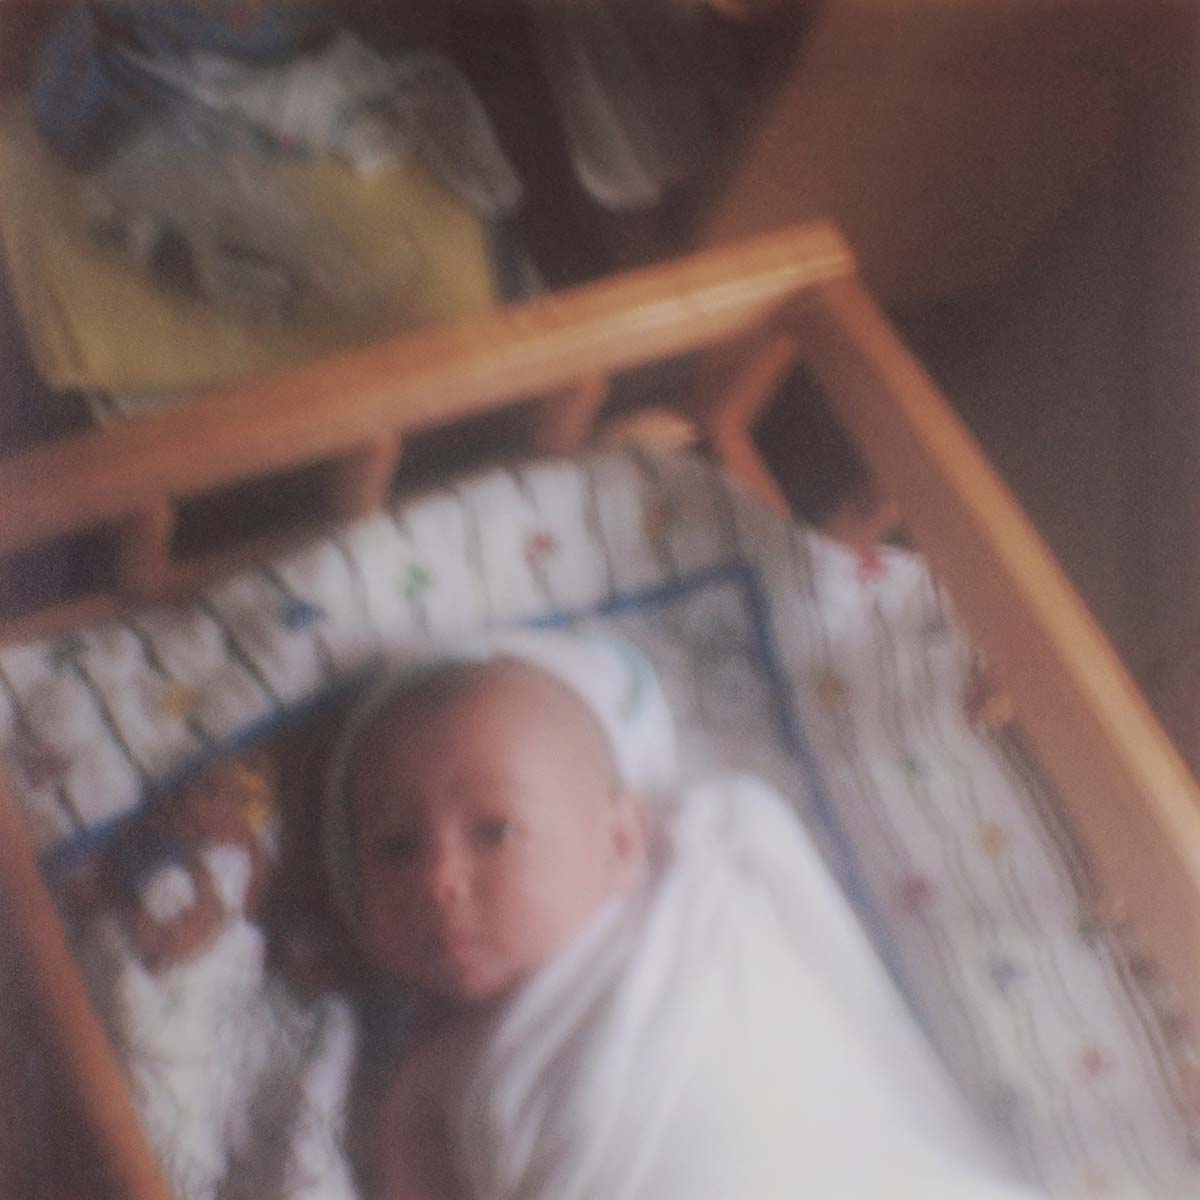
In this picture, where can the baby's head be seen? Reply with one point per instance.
(488, 821)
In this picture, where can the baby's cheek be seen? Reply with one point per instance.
(550, 913)
(388, 919)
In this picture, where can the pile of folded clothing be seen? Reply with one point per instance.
(209, 188)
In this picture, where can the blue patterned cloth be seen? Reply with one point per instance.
(88, 94)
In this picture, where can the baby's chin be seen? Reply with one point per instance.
(468, 981)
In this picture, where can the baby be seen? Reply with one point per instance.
(489, 825)
(623, 997)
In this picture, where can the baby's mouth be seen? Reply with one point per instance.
(457, 962)
(453, 943)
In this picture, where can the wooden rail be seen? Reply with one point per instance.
(353, 410)
(84, 1068)
(1127, 790)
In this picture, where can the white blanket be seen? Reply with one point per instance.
(241, 1085)
(726, 1034)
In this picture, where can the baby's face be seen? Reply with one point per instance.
(488, 827)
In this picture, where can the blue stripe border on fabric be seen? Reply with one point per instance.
(60, 860)
(793, 730)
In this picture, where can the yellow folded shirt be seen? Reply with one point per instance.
(96, 321)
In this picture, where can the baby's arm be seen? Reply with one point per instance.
(411, 1150)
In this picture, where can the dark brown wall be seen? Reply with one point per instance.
(1020, 179)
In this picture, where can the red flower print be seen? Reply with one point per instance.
(915, 893)
(539, 546)
(1094, 1062)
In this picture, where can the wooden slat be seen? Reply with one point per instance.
(362, 479)
(565, 422)
(73, 1033)
(730, 395)
(738, 454)
(83, 610)
(1125, 787)
(144, 551)
(411, 382)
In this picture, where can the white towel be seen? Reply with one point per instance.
(728, 1033)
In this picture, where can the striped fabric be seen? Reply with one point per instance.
(844, 679)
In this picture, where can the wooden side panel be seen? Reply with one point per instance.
(76, 1047)
(347, 414)
(409, 383)
(1128, 792)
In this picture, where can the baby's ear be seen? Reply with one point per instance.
(629, 830)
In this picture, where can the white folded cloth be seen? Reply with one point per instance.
(726, 1034)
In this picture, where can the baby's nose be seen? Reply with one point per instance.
(448, 875)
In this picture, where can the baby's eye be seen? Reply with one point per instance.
(400, 846)
(491, 832)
